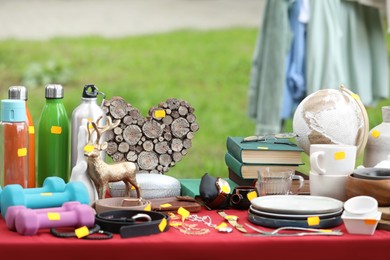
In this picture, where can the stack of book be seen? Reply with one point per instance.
(245, 159)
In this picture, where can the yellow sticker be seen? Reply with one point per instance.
(159, 113)
(54, 216)
(339, 155)
(183, 213)
(46, 194)
(375, 133)
(56, 130)
(370, 221)
(31, 130)
(166, 205)
(262, 147)
(148, 207)
(251, 195)
(22, 152)
(225, 188)
(313, 221)
(326, 230)
(81, 232)
(222, 225)
(88, 148)
(162, 224)
(355, 96)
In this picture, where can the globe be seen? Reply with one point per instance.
(331, 116)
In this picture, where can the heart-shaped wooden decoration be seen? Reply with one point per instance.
(155, 143)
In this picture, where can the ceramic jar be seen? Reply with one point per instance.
(378, 143)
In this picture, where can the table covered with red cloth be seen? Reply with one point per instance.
(173, 244)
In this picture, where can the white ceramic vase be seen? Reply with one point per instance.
(378, 143)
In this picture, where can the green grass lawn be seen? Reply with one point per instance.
(210, 70)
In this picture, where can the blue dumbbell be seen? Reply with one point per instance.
(50, 184)
(13, 195)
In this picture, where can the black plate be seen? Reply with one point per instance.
(276, 223)
(372, 173)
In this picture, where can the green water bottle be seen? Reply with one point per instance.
(53, 137)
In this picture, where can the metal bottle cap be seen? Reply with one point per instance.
(54, 91)
(92, 93)
(13, 110)
(18, 92)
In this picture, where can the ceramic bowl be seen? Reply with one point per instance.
(378, 189)
(372, 173)
(120, 203)
(361, 225)
(361, 206)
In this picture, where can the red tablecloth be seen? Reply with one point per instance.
(175, 245)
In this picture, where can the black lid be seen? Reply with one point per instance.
(92, 93)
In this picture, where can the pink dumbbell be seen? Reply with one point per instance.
(28, 221)
(14, 210)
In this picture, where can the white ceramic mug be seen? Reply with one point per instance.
(277, 182)
(333, 186)
(332, 159)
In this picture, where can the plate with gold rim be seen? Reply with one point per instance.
(297, 204)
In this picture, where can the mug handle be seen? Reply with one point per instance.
(314, 166)
(301, 183)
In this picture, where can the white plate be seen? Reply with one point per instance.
(294, 216)
(297, 204)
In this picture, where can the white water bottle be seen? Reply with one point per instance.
(88, 110)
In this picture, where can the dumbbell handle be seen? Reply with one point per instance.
(13, 211)
(50, 199)
(29, 222)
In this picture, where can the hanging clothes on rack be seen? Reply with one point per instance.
(295, 83)
(268, 67)
(346, 45)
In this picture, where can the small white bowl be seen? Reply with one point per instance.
(360, 225)
(361, 205)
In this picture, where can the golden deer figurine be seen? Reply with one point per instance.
(102, 173)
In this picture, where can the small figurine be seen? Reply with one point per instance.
(102, 173)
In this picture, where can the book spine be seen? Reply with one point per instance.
(233, 164)
(239, 180)
(234, 149)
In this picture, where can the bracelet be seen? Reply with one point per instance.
(93, 234)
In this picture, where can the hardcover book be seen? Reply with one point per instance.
(277, 151)
(249, 171)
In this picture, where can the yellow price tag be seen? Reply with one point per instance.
(56, 130)
(313, 221)
(159, 113)
(53, 216)
(162, 225)
(355, 96)
(251, 195)
(88, 148)
(225, 188)
(183, 213)
(22, 152)
(339, 155)
(375, 133)
(148, 207)
(31, 130)
(222, 225)
(81, 232)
